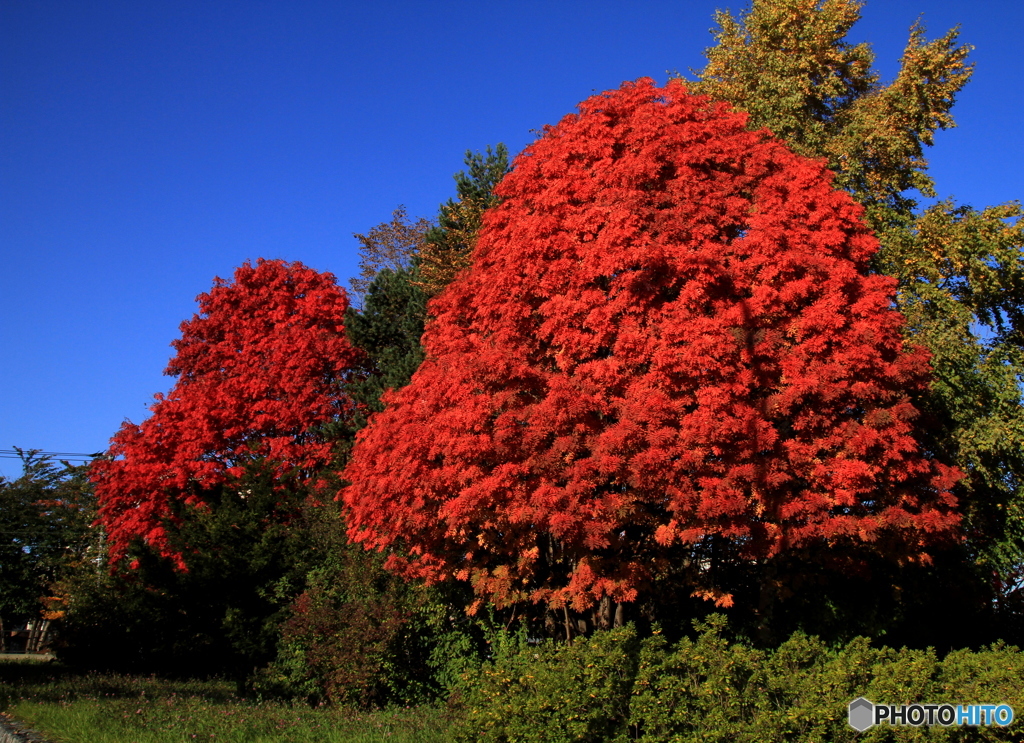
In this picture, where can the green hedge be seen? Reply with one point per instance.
(549, 692)
(613, 687)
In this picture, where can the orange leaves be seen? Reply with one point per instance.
(259, 368)
(668, 333)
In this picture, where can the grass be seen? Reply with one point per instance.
(68, 707)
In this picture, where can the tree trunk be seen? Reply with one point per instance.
(582, 626)
(766, 603)
(604, 613)
(33, 634)
(40, 636)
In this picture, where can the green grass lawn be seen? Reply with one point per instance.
(68, 707)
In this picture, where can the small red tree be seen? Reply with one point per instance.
(668, 333)
(259, 369)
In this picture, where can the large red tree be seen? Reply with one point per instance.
(258, 369)
(668, 334)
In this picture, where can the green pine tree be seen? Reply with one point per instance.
(388, 330)
(405, 262)
(449, 245)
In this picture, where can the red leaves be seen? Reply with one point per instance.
(668, 332)
(258, 369)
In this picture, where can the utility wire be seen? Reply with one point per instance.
(31, 454)
(83, 457)
(63, 459)
(41, 453)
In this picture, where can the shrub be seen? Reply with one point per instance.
(359, 635)
(549, 692)
(612, 687)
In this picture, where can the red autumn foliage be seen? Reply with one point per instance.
(258, 369)
(668, 332)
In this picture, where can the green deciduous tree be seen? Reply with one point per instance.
(45, 518)
(788, 65)
(961, 273)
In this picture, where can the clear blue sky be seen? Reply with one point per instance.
(146, 147)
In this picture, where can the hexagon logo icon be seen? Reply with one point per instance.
(861, 714)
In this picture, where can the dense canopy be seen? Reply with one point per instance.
(668, 333)
(259, 369)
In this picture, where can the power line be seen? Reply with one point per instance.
(81, 456)
(34, 456)
(39, 452)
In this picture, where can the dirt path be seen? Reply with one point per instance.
(11, 731)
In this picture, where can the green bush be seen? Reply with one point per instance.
(548, 692)
(708, 690)
(696, 689)
(611, 687)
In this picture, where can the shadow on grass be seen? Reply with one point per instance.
(50, 681)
